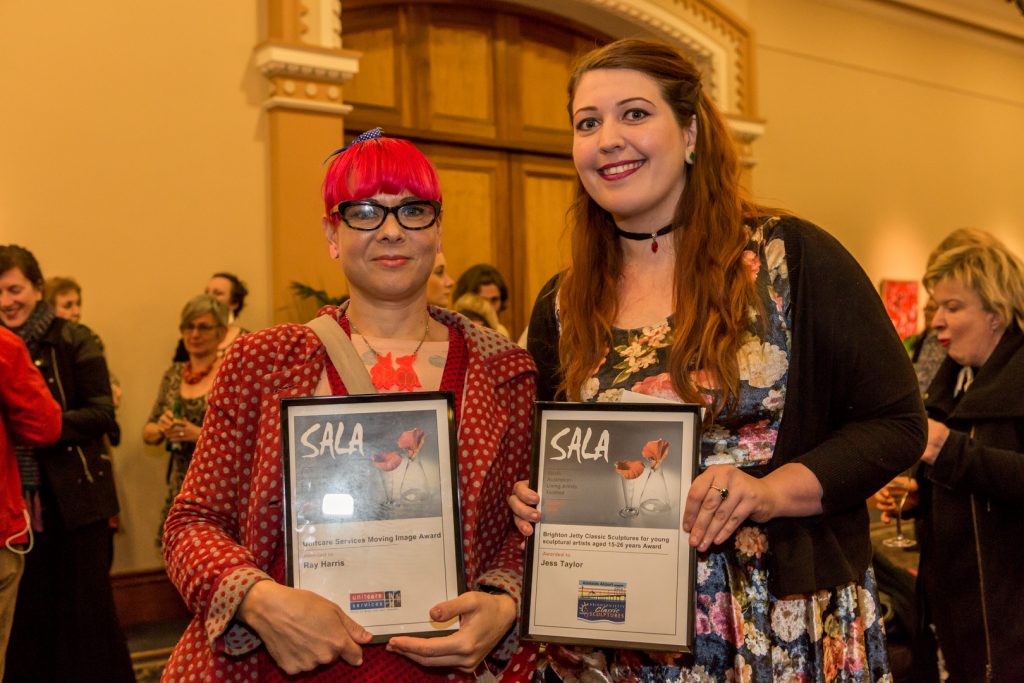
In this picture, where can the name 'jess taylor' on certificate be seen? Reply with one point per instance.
(608, 561)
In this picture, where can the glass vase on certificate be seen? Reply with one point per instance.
(372, 507)
(608, 563)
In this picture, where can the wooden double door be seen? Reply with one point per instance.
(483, 93)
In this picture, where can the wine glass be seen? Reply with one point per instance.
(388, 465)
(630, 471)
(414, 482)
(900, 488)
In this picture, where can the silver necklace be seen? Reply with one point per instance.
(355, 330)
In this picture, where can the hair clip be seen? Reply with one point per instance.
(371, 134)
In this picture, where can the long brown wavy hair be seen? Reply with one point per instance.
(713, 291)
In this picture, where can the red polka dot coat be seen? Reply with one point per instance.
(225, 526)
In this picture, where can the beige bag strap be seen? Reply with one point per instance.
(344, 356)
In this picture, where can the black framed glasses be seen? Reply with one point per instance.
(366, 214)
(201, 328)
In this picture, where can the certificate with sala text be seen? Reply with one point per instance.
(608, 564)
(372, 507)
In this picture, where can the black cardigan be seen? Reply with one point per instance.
(853, 411)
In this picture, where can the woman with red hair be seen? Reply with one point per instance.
(682, 288)
(223, 541)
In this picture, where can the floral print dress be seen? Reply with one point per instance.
(743, 632)
(180, 455)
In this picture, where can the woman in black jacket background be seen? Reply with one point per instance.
(971, 480)
(65, 627)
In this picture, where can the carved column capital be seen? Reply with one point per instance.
(306, 77)
(744, 133)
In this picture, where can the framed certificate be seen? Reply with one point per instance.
(609, 564)
(372, 507)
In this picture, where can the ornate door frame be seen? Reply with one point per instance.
(306, 66)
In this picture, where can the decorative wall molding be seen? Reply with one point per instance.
(721, 44)
(745, 130)
(306, 77)
(321, 23)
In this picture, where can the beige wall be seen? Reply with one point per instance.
(133, 155)
(888, 128)
(133, 159)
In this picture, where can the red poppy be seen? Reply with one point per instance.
(629, 469)
(386, 461)
(412, 441)
(654, 452)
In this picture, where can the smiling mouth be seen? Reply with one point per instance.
(619, 170)
(391, 259)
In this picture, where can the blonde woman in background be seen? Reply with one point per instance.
(65, 295)
(477, 309)
(440, 284)
(969, 498)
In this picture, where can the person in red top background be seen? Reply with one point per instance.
(28, 417)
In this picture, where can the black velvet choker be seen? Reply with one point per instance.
(653, 236)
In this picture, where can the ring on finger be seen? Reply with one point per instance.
(723, 492)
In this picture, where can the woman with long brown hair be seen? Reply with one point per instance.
(682, 288)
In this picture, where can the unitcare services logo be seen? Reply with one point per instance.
(376, 600)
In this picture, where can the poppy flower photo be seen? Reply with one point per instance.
(412, 441)
(386, 462)
(629, 469)
(654, 452)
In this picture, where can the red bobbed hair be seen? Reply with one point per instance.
(376, 166)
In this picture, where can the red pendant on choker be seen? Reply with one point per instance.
(653, 236)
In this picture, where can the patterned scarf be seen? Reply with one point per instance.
(35, 327)
(31, 333)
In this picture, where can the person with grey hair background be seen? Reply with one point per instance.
(180, 406)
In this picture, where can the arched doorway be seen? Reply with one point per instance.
(483, 94)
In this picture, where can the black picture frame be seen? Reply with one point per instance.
(372, 507)
(607, 566)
